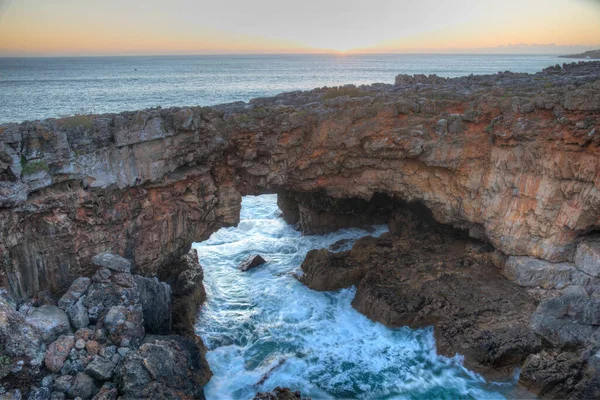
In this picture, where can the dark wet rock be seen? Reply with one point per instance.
(76, 290)
(112, 262)
(278, 393)
(168, 367)
(340, 244)
(155, 298)
(552, 376)
(324, 270)
(251, 262)
(58, 352)
(83, 386)
(51, 321)
(185, 277)
(408, 282)
(124, 325)
(100, 369)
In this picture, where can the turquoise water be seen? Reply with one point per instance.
(264, 329)
(38, 88)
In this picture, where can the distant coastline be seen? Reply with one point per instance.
(589, 55)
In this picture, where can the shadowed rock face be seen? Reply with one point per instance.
(512, 158)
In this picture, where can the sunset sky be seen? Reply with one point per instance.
(115, 27)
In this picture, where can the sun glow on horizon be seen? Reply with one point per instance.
(114, 27)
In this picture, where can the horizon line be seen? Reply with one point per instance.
(332, 53)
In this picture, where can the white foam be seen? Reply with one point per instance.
(265, 326)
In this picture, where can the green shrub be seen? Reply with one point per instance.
(351, 91)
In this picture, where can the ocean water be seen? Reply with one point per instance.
(38, 88)
(263, 328)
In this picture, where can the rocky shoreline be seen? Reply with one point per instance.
(490, 185)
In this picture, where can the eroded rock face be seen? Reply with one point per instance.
(511, 158)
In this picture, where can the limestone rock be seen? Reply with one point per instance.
(587, 257)
(51, 321)
(112, 262)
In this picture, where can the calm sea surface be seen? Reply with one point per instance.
(37, 88)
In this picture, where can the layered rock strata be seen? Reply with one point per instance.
(512, 159)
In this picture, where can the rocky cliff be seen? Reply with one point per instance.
(511, 159)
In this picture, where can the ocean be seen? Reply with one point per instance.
(38, 88)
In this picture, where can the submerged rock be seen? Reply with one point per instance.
(251, 262)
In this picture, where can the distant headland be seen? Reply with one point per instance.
(592, 55)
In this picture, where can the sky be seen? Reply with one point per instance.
(138, 27)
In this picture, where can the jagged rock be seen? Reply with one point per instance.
(155, 298)
(83, 386)
(63, 383)
(251, 262)
(587, 257)
(123, 279)
(430, 279)
(102, 275)
(167, 367)
(185, 278)
(324, 271)
(100, 369)
(112, 262)
(531, 272)
(100, 297)
(58, 352)
(78, 314)
(278, 393)
(568, 321)
(107, 392)
(76, 290)
(51, 321)
(124, 324)
(552, 376)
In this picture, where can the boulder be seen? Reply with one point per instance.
(58, 352)
(165, 367)
(100, 297)
(155, 298)
(83, 386)
(587, 257)
(112, 262)
(76, 290)
(551, 375)
(78, 314)
(251, 262)
(324, 270)
(51, 321)
(124, 325)
(100, 369)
